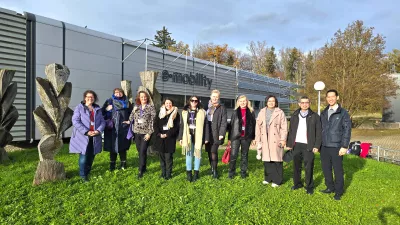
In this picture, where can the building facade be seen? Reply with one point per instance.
(99, 61)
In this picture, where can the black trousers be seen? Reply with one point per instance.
(330, 158)
(244, 145)
(141, 146)
(273, 172)
(212, 150)
(302, 154)
(122, 156)
(166, 162)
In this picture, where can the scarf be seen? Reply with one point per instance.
(303, 114)
(211, 109)
(164, 112)
(119, 103)
(186, 141)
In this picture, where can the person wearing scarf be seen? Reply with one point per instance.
(166, 130)
(304, 139)
(215, 130)
(191, 135)
(271, 133)
(117, 110)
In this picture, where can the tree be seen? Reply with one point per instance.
(393, 61)
(163, 38)
(181, 47)
(352, 63)
(222, 54)
(263, 57)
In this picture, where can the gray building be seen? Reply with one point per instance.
(392, 114)
(99, 61)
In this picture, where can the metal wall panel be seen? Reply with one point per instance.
(13, 56)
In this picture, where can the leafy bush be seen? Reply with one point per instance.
(372, 195)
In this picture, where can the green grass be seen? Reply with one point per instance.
(371, 197)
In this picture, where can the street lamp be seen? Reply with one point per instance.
(319, 86)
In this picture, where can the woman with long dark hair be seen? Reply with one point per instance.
(85, 140)
(166, 130)
(191, 135)
(143, 115)
(116, 111)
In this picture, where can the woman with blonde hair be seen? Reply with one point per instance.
(271, 133)
(215, 130)
(241, 134)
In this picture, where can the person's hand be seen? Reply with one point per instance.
(206, 142)
(109, 107)
(342, 151)
(91, 133)
(282, 144)
(253, 142)
(229, 142)
(221, 137)
(146, 137)
(315, 150)
(180, 142)
(289, 148)
(96, 132)
(126, 122)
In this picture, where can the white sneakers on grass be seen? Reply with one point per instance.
(272, 185)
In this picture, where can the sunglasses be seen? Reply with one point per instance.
(194, 100)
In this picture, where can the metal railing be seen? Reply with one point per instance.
(385, 154)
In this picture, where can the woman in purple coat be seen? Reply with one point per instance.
(88, 124)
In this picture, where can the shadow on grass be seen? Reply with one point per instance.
(352, 164)
(388, 210)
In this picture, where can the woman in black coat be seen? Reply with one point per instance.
(241, 134)
(116, 111)
(215, 130)
(166, 130)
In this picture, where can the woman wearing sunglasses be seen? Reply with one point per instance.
(191, 135)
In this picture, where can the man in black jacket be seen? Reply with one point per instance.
(336, 133)
(305, 139)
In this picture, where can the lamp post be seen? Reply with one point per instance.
(319, 86)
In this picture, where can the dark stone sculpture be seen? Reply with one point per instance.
(8, 112)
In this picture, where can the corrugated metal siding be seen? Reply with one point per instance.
(13, 56)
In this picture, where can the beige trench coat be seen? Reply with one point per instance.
(269, 144)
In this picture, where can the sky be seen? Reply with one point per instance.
(305, 24)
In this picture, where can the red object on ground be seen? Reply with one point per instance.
(365, 149)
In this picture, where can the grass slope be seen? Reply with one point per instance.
(372, 195)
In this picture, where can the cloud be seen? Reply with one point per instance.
(312, 40)
(217, 30)
(268, 18)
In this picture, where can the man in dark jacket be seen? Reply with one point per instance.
(336, 133)
(305, 139)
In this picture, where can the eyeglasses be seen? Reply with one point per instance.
(194, 100)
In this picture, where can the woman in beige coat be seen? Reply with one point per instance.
(271, 133)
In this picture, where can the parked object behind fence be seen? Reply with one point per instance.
(8, 112)
(53, 117)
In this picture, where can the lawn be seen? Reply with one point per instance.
(371, 197)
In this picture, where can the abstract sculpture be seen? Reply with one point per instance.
(8, 112)
(53, 118)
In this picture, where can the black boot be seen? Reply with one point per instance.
(196, 175)
(123, 165)
(189, 175)
(112, 166)
(215, 173)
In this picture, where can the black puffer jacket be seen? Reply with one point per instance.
(217, 127)
(313, 130)
(337, 131)
(236, 125)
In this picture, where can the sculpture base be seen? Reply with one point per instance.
(3, 155)
(49, 170)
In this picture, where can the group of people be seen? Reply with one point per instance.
(194, 127)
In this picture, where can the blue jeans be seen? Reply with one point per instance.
(189, 160)
(86, 161)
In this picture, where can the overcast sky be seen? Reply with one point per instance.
(305, 24)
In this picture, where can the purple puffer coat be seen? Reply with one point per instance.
(81, 123)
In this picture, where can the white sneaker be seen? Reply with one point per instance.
(274, 185)
(265, 182)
